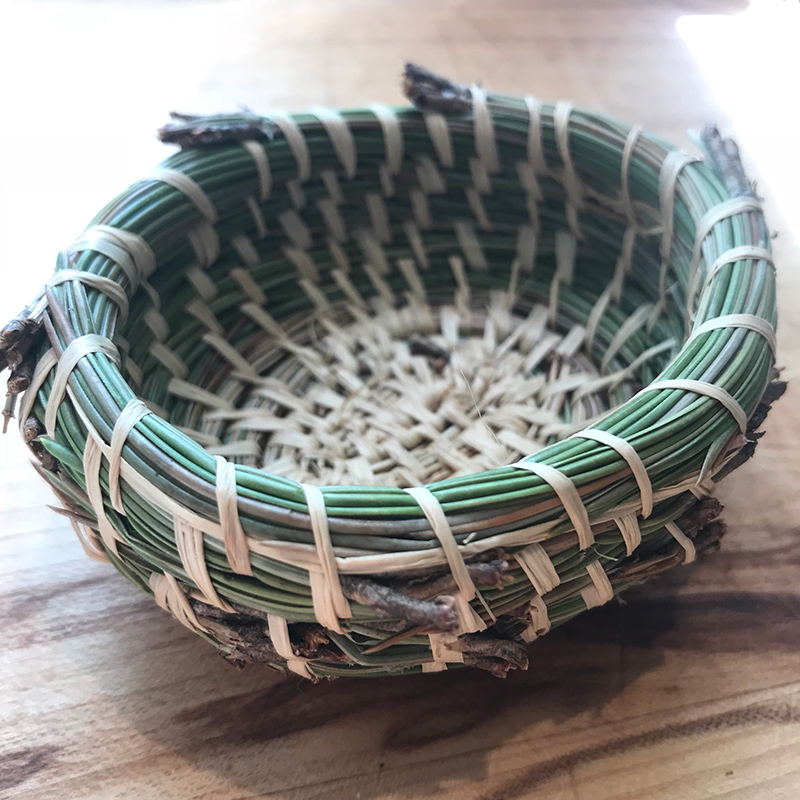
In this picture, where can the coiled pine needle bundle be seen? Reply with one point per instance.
(401, 389)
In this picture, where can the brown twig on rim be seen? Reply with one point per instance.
(192, 130)
(701, 524)
(21, 376)
(311, 639)
(16, 339)
(17, 332)
(429, 91)
(31, 429)
(390, 603)
(483, 573)
(498, 656)
(774, 391)
(726, 161)
(243, 638)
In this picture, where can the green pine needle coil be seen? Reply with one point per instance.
(401, 389)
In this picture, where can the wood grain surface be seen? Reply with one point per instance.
(689, 689)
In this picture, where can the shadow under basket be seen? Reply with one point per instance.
(400, 389)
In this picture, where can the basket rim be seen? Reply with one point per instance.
(681, 187)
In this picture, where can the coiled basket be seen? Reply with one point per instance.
(401, 389)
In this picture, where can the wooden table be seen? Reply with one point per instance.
(689, 689)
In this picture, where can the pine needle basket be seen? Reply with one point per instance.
(401, 389)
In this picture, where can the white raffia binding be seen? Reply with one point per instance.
(625, 190)
(568, 495)
(470, 245)
(191, 551)
(190, 189)
(595, 315)
(295, 229)
(73, 353)
(468, 619)
(536, 564)
(600, 591)
(205, 243)
(628, 453)
(566, 252)
(109, 288)
(297, 143)
(480, 176)
(169, 359)
(439, 133)
(485, 144)
(92, 457)
(722, 211)
(133, 413)
(477, 208)
(624, 263)
(442, 653)
(747, 321)
(259, 155)
(132, 254)
(233, 535)
(334, 220)
(171, 597)
(279, 636)
(258, 217)
(535, 146)
(671, 168)
(708, 390)
(378, 217)
(743, 253)
(572, 183)
(330, 604)
(202, 283)
(341, 137)
(637, 320)
(526, 247)
(628, 525)
(296, 192)
(540, 621)
(429, 178)
(44, 366)
(684, 541)
(392, 136)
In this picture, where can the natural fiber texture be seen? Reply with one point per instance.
(555, 323)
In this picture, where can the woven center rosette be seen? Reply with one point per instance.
(401, 389)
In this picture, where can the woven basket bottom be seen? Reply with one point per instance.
(411, 395)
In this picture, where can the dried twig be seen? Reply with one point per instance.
(773, 392)
(429, 91)
(189, 130)
(483, 574)
(387, 602)
(726, 160)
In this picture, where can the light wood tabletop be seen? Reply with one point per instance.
(688, 689)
